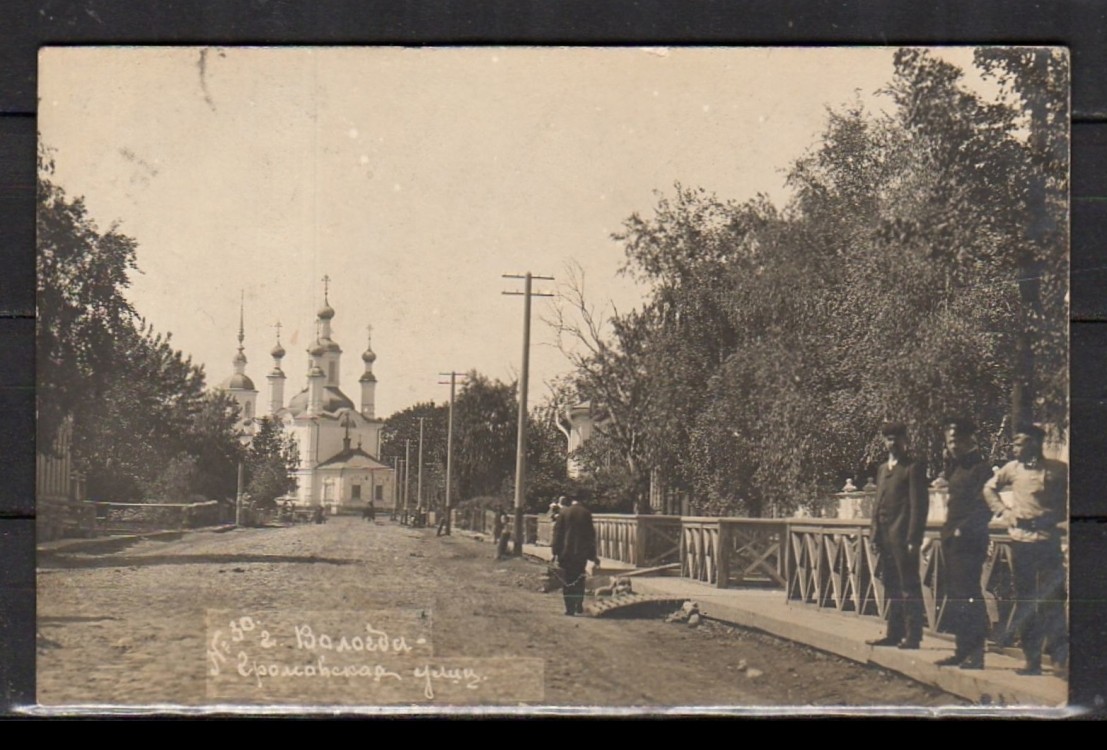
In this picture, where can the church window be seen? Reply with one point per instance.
(334, 372)
(355, 492)
(249, 410)
(379, 492)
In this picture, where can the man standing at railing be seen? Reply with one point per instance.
(899, 521)
(965, 545)
(1038, 487)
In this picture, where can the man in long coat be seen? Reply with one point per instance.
(574, 545)
(899, 522)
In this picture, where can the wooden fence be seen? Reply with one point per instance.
(830, 564)
(726, 551)
(85, 519)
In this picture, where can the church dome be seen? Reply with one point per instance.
(326, 312)
(278, 351)
(238, 382)
(369, 356)
(317, 350)
(333, 400)
(330, 345)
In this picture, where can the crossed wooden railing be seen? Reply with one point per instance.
(642, 541)
(830, 564)
(726, 551)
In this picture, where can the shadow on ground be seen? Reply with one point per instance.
(47, 562)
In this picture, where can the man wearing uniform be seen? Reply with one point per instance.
(1038, 490)
(965, 545)
(899, 521)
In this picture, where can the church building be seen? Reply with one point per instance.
(338, 442)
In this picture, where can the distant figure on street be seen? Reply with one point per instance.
(1038, 487)
(370, 512)
(443, 523)
(965, 544)
(320, 514)
(574, 545)
(501, 531)
(899, 522)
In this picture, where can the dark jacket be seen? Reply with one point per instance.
(574, 536)
(967, 513)
(902, 504)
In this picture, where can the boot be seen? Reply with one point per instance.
(974, 660)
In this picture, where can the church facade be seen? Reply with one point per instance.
(338, 442)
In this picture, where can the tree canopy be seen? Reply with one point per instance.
(918, 269)
(144, 424)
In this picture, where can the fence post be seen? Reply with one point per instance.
(722, 556)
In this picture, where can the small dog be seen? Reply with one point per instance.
(617, 587)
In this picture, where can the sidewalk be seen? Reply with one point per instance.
(845, 635)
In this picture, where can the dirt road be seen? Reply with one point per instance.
(128, 627)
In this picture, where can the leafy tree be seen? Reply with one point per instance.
(485, 422)
(918, 269)
(144, 425)
(82, 275)
(403, 426)
(271, 463)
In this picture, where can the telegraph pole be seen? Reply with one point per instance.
(407, 474)
(521, 442)
(419, 473)
(395, 486)
(450, 446)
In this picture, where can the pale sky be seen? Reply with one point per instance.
(414, 179)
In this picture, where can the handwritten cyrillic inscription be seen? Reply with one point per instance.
(352, 658)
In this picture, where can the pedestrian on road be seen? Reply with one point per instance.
(443, 523)
(574, 545)
(501, 532)
(965, 544)
(899, 522)
(1038, 488)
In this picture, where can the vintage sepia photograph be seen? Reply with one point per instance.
(522, 380)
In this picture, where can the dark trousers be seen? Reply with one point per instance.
(1039, 616)
(902, 591)
(964, 610)
(501, 544)
(572, 573)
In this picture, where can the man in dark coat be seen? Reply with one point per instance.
(965, 545)
(574, 545)
(899, 521)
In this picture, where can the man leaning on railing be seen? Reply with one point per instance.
(1038, 488)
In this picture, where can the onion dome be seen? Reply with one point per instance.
(333, 400)
(326, 312)
(318, 350)
(278, 351)
(369, 356)
(238, 382)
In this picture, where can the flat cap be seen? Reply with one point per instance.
(960, 425)
(890, 429)
(1031, 430)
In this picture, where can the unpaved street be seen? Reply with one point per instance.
(128, 627)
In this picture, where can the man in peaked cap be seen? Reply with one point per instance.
(965, 544)
(899, 521)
